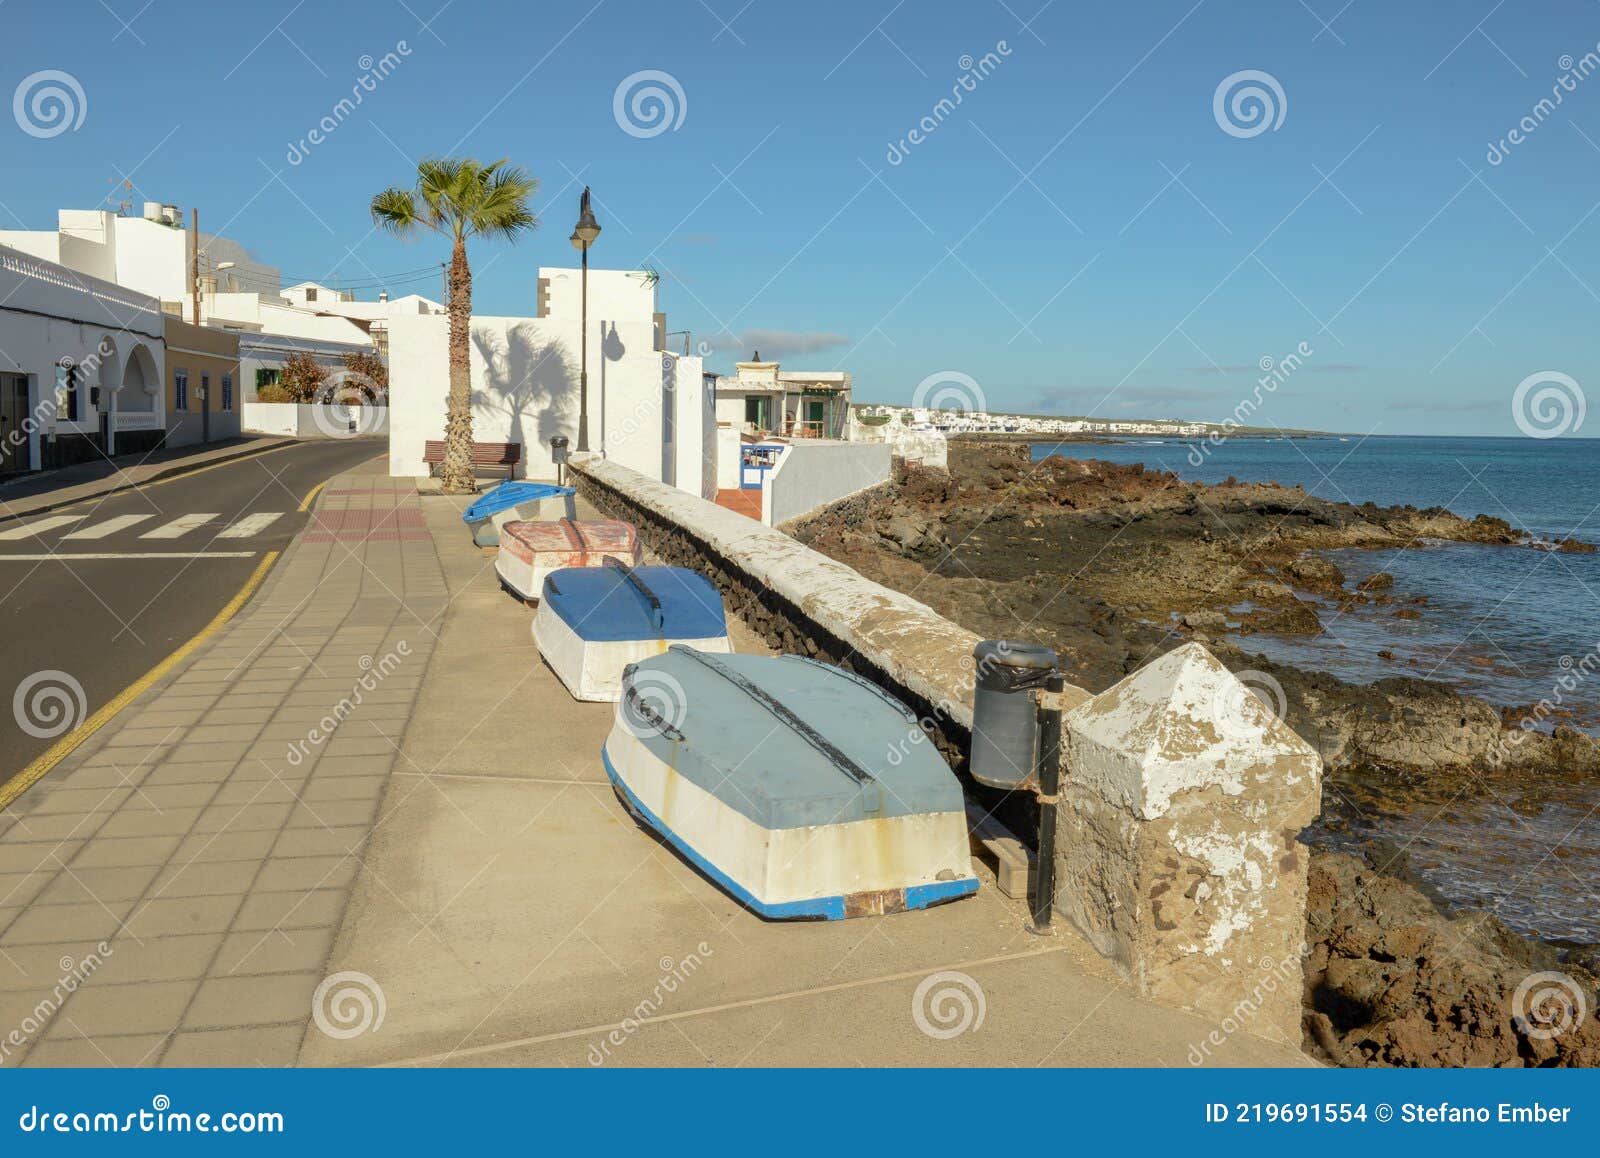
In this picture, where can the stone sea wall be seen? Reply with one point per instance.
(1182, 799)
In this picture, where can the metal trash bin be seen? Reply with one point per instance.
(1005, 723)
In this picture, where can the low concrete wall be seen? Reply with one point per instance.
(1183, 796)
(308, 420)
(801, 600)
(810, 475)
(924, 447)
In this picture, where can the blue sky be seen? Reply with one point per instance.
(1079, 235)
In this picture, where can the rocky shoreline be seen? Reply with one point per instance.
(1113, 565)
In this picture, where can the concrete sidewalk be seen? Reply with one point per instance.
(32, 494)
(170, 892)
(446, 877)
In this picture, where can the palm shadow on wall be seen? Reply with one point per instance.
(530, 380)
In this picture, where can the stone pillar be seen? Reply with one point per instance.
(1183, 798)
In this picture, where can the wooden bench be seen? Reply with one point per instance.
(484, 454)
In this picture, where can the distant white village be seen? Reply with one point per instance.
(921, 418)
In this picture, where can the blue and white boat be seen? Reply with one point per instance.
(804, 791)
(515, 499)
(594, 621)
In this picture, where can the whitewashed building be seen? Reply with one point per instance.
(82, 366)
(649, 409)
(373, 317)
(153, 255)
(763, 398)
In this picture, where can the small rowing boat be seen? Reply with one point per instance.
(511, 501)
(801, 789)
(529, 551)
(594, 621)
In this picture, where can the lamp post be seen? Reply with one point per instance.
(583, 235)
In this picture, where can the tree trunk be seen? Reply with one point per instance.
(456, 471)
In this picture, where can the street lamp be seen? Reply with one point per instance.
(583, 235)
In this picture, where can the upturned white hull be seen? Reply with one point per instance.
(592, 669)
(830, 871)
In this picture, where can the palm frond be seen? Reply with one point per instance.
(395, 210)
(502, 210)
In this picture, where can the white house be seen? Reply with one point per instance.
(150, 254)
(261, 357)
(153, 255)
(649, 409)
(82, 363)
(763, 398)
(373, 317)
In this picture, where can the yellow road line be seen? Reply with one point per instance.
(305, 503)
(65, 746)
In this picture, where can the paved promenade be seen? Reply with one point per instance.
(445, 877)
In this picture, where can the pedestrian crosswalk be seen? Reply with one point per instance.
(108, 527)
(250, 525)
(201, 525)
(39, 527)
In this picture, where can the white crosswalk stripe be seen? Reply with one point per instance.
(181, 525)
(251, 525)
(109, 527)
(29, 530)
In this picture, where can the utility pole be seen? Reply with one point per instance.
(444, 284)
(194, 262)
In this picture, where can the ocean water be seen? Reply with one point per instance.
(1512, 625)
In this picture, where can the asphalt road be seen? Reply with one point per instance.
(98, 593)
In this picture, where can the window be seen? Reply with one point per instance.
(180, 389)
(758, 411)
(227, 391)
(311, 294)
(265, 377)
(66, 392)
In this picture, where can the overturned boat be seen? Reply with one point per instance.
(529, 551)
(803, 790)
(512, 501)
(594, 621)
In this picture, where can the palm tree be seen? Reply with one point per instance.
(459, 198)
